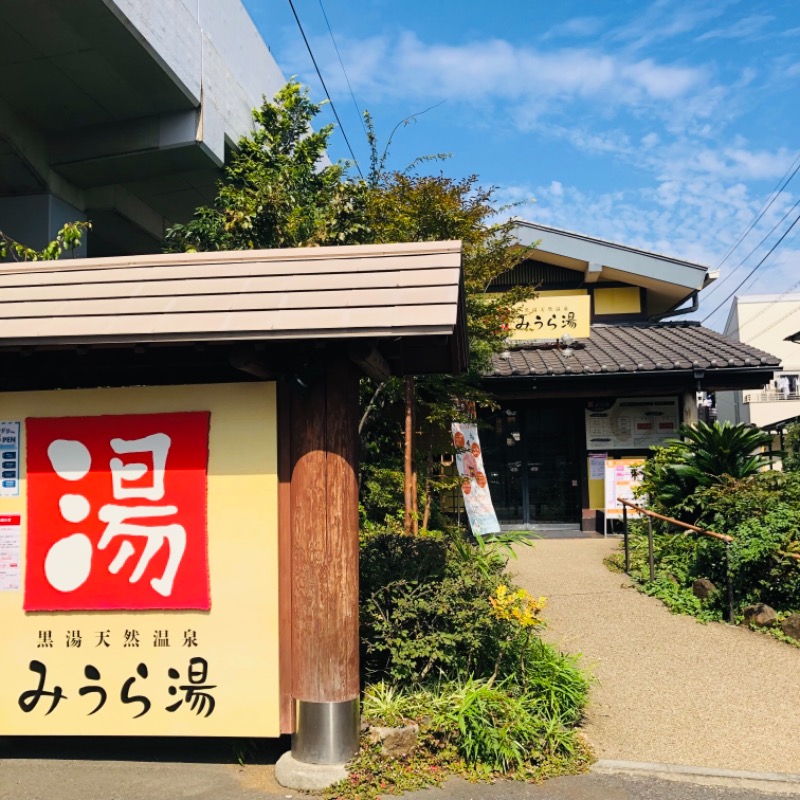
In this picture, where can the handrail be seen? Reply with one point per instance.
(721, 536)
(626, 504)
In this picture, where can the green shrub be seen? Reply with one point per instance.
(450, 643)
(762, 515)
(425, 608)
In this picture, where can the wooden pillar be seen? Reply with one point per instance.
(689, 408)
(324, 555)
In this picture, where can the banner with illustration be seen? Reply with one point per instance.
(474, 484)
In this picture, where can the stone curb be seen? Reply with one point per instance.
(608, 766)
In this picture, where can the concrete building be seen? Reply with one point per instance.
(765, 321)
(121, 112)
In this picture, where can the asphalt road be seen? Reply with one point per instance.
(53, 779)
(602, 787)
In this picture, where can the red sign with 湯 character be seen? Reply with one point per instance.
(117, 512)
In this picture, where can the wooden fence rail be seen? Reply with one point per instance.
(651, 515)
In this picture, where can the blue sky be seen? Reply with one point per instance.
(663, 125)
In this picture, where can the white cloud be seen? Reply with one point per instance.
(496, 71)
(664, 20)
(746, 28)
(697, 220)
(577, 27)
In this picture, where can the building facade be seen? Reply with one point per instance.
(600, 365)
(765, 321)
(120, 112)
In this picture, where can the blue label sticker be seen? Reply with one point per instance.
(11, 454)
(9, 465)
(9, 484)
(9, 474)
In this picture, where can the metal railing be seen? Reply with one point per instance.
(651, 515)
(770, 396)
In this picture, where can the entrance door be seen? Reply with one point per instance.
(532, 460)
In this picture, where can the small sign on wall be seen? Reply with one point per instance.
(9, 458)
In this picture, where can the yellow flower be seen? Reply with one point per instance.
(519, 607)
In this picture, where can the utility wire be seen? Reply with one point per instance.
(766, 256)
(344, 71)
(766, 205)
(789, 313)
(753, 271)
(325, 88)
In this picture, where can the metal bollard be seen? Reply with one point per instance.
(729, 576)
(625, 539)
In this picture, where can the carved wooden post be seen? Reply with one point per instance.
(324, 521)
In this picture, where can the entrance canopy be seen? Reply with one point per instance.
(399, 308)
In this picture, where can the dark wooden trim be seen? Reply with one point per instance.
(612, 384)
(287, 715)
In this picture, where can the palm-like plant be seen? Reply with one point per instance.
(707, 452)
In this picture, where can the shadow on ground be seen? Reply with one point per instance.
(156, 749)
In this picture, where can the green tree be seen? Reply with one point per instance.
(278, 191)
(791, 461)
(405, 206)
(67, 240)
(705, 456)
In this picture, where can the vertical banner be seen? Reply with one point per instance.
(474, 484)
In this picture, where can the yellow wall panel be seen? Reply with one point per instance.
(238, 637)
(622, 300)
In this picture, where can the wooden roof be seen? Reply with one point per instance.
(399, 290)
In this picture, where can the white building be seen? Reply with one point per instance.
(765, 321)
(121, 112)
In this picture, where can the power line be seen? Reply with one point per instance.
(766, 205)
(780, 319)
(325, 88)
(752, 271)
(344, 71)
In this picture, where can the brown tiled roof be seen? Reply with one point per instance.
(628, 348)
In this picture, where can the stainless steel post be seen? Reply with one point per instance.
(326, 733)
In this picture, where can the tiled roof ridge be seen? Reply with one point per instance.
(642, 348)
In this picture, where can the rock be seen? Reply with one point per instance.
(791, 626)
(295, 774)
(396, 742)
(703, 588)
(760, 615)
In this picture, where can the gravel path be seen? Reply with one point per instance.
(669, 689)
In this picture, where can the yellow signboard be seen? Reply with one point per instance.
(197, 657)
(552, 316)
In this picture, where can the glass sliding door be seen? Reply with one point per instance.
(532, 458)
